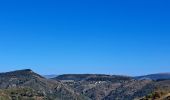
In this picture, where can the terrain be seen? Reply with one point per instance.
(28, 85)
(159, 76)
(34, 85)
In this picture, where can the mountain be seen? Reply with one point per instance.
(28, 85)
(105, 87)
(159, 76)
(21, 80)
(112, 87)
(90, 77)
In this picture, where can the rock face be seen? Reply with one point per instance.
(28, 85)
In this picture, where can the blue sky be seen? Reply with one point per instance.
(129, 37)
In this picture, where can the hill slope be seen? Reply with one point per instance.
(28, 85)
(28, 79)
(112, 87)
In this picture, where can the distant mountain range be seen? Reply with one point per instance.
(159, 76)
(49, 76)
(28, 85)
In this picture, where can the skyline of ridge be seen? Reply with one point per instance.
(30, 70)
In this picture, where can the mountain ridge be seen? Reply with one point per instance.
(156, 76)
(26, 84)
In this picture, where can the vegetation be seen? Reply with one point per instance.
(27, 85)
(21, 94)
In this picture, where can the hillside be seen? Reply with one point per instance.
(28, 85)
(105, 87)
(28, 79)
(112, 87)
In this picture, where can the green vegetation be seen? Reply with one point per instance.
(20, 94)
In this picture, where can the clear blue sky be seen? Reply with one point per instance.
(130, 37)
